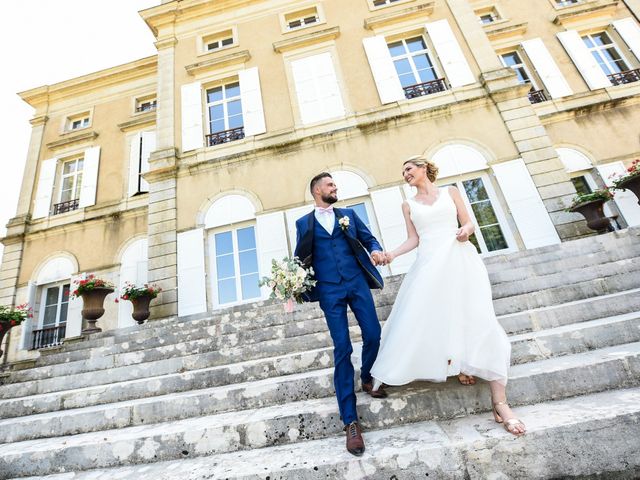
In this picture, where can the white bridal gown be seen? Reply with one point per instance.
(442, 322)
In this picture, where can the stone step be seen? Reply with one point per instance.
(278, 390)
(598, 280)
(154, 362)
(501, 273)
(537, 382)
(591, 436)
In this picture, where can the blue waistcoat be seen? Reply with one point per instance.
(333, 257)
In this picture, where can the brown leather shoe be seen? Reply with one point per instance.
(355, 442)
(380, 393)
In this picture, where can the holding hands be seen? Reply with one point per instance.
(381, 258)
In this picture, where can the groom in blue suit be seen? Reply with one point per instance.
(336, 243)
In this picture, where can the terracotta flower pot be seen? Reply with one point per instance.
(632, 184)
(93, 309)
(141, 308)
(594, 214)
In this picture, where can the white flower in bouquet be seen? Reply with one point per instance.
(289, 279)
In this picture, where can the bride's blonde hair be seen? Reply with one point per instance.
(422, 161)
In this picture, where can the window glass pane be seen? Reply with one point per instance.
(234, 107)
(475, 190)
(214, 95)
(493, 238)
(587, 41)
(416, 44)
(217, 126)
(249, 285)
(65, 294)
(402, 66)
(473, 239)
(69, 167)
(422, 62)
(235, 121)
(484, 213)
(225, 267)
(50, 315)
(396, 48)
(227, 41)
(78, 186)
(227, 291)
(582, 187)
(80, 164)
(63, 313)
(246, 238)
(65, 196)
(601, 38)
(407, 80)
(216, 112)
(232, 90)
(224, 243)
(427, 75)
(361, 211)
(67, 183)
(52, 296)
(248, 262)
(511, 59)
(522, 75)
(614, 59)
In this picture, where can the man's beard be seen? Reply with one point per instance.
(329, 199)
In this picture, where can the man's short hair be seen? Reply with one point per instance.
(316, 179)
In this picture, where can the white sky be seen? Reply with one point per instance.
(48, 41)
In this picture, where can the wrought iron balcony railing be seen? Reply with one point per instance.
(146, 107)
(537, 96)
(66, 206)
(426, 88)
(621, 78)
(225, 136)
(48, 337)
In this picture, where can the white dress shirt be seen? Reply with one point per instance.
(326, 219)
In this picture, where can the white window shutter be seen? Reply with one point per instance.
(625, 200)
(148, 146)
(192, 295)
(74, 311)
(134, 164)
(528, 211)
(630, 33)
(387, 204)
(317, 88)
(384, 73)
(44, 191)
(26, 337)
(192, 133)
(89, 177)
(271, 234)
(450, 54)
(583, 60)
(292, 215)
(251, 99)
(547, 68)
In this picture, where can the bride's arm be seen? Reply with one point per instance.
(467, 228)
(412, 236)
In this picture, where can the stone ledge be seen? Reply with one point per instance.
(139, 121)
(303, 40)
(399, 15)
(599, 9)
(218, 62)
(502, 32)
(81, 137)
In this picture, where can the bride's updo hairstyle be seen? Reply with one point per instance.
(422, 161)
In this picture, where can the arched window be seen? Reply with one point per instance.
(133, 269)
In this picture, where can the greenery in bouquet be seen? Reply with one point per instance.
(131, 291)
(632, 171)
(15, 316)
(289, 279)
(87, 284)
(602, 194)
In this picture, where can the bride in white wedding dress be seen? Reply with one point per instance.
(442, 322)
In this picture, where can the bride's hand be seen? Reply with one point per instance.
(462, 235)
(388, 257)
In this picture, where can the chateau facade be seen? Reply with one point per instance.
(188, 169)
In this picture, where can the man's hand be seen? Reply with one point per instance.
(377, 258)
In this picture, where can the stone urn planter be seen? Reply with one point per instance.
(141, 308)
(93, 307)
(12, 317)
(593, 212)
(4, 328)
(631, 183)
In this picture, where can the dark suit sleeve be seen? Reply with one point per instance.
(364, 235)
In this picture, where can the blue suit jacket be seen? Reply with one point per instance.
(358, 236)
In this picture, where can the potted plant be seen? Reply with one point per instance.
(93, 291)
(10, 317)
(288, 281)
(140, 297)
(590, 205)
(630, 180)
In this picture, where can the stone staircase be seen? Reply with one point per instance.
(247, 393)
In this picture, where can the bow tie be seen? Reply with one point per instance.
(326, 211)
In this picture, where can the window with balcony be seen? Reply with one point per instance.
(54, 306)
(70, 186)
(610, 59)
(224, 111)
(218, 41)
(146, 104)
(302, 18)
(415, 66)
(515, 61)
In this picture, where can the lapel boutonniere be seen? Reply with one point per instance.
(344, 223)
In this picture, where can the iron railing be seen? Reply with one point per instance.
(48, 337)
(621, 78)
(426, 88)
(537, 96)
(225, 136)
(66, 206)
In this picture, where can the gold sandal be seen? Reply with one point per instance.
(510, 422)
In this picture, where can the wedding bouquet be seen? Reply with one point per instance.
(288, 281)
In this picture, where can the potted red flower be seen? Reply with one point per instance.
(630, 180)
(140, 297)
(11, 317)
(590, 206)
(93, 291)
